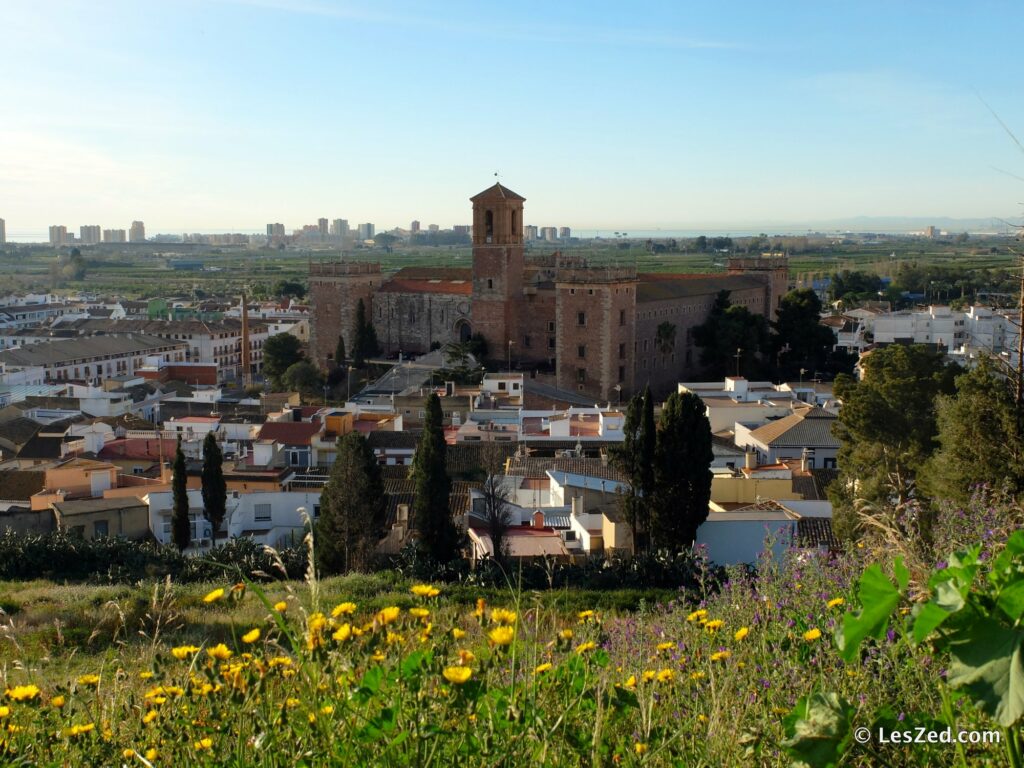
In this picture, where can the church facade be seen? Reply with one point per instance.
(607, 331)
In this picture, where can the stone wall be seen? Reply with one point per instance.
(334, 292)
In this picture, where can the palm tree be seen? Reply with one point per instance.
(666, 338)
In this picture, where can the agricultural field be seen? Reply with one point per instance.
(772, 669)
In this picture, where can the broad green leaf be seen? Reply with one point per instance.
(878, 597)
(1014, 548)
(946, 600)
(1011, 599)
(411, 664)
(902, 574)
(818, 730)
(987, 661)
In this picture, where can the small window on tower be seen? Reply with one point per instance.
(581, 351)
(581, 318)
(489, 225)
(581, 375)
(622, 317)
(490, 283)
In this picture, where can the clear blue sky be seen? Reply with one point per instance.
(227, 115)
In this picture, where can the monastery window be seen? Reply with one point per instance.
(643, 363)
(581, 375)
(572, 291)
(622, 373)
(622, 317)
(590, 291)
(581, 319)
(551, 326)
(645, 345)
(551, 342)
(581, 351)
(490, 283)
(526, 341)
(622, 351)
(489, 225)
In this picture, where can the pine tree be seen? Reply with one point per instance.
(683, 459)
(352, 508)
(181, 526)
(339, 352)
(215, 489)
(438, 536)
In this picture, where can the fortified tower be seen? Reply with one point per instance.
(773, 268)
(498, 264)
(335, 289)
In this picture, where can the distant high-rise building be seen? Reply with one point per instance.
(322, 226)
(275, 230)
(366, 231)
(550, 234)
(3, 232)
(461, 229)
(114, 236)
(433, 228)
(564, 233)
(339, 228)
(414, 227)
(137, 234)
(931, 232)
(58, 235)
(89, 234)
(529, 232)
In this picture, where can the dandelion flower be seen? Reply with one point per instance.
(667, 646)
(741, 633)
(78, 730)
(666, 676)
(220, 652)
(501, 635)
(251, 636)
(585, 616)
(128, 754)
(812, 634)
(343, 609)
(387, 615)
(714, 625)
(697, 615)
(89, 680)
(280, 606)
(151, 754)
(419, 613)
(214, 596)
(5, 711)
(458, 634)
(648, 675)
(342, 633)
(585, 647)
(542, 668)
(206, 743)
(481, 606)
(630, 682)
(22, 692)
(835, 602)
(565, 634)
(465, 657)
(145, 675)
(696, 675)
(326, 709)
(640, 748)
(721, 655)
(425, 590)
(150, 716)
(503, 616)
(457, 675)
(184, 651)
(56, 702)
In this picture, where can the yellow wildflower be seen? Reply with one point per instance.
(697, 615)
(280, 606)
(542, 668)
(630, 682)
(78, 730)
(89, 680)
(127, 754)
(5, 711)
(151, 754)
(648, 675)
(378, 656)
(251, 636)
(342, 633)
(465, 657)
(291, 702)
(214, 596)
(667, 646)
(22, 692)
(741, 633)
(640, 748)
(584, 647)
(501, 635)
(812, 634)
(503, 616)
(565, 634)
(56, 701)
(387, 615)
(714, 625)
(220, 652)
(184, 651)
(585, 616)
(457, 675)
(666, 676)
(458, 634)
(721, 655)
(150, 716)
(393, 638)
(145, 675)
(696, 675)
(481, 606)
(316, 622)
(834, 602)
(205, 743)
(343, 609)
(419, 613)
(326, 709)
(425, 590)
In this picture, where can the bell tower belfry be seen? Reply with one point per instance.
(498, 264)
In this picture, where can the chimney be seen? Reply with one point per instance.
(749, 460)
(803, 461)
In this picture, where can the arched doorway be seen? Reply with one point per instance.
(463, 332)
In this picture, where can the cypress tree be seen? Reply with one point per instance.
(181, 528)
(625, 457)
(215, 489)
(683, 457)
(365, 343)
(645, 462)
(352, 508)
(438, 536)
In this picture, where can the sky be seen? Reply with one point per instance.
(224, 115)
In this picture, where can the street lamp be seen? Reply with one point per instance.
(510, 343)
(348, 384)
(618, 394)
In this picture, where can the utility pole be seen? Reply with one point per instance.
(738, 355)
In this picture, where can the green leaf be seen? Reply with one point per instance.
(1011, 600)
(818, 730)
(412, 664)
(902, 574)
(987, 662)
(878, 597)
(370, 684)
(946, 600)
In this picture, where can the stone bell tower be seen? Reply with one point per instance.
(498, 263)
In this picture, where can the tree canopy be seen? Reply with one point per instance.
(352, 508)
(280, 352)
(181, 525)
(438, 536)
(215, 489)
(303, 377)
(728, 330)
(799, 339)
(365, 344)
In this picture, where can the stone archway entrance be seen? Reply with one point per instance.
(463, 332)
